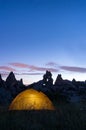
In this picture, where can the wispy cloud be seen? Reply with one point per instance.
(6, 68)
(19, 65)
(73, 69)
(31, 74)
(54, 67)
(67, 68)
(4, 74)
(33, 68)
(51, 64)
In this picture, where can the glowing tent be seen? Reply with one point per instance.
(31, 100)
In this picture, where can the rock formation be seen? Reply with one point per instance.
(69, 90)
(10, 88)
(10, 79)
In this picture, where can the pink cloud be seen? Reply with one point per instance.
(51, 64)
(22, 65)
(19, 65)
(74, 69)
(6, 68)
(5, 74)
(44, 69)
(32, 67)
(31, 74)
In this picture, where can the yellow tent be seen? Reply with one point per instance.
(31, 99)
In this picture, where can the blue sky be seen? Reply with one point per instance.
(36, 35)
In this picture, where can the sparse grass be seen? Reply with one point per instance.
(67, 116)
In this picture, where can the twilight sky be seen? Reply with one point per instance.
(40, 35)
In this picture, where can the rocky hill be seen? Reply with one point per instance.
(10, 88)
(70, 91)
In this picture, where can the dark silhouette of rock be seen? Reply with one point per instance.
(10, 88)
(73, 81)
(21, 81)
(66, 89)
(60, 83)
(5, 96)
(59, 80)
(71, 91)
(47, 79)
(10, 79)
(45, 85)
(2, 82)
(14, 85)
(0, 78)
